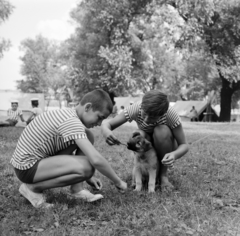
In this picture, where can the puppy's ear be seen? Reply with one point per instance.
(135, 134)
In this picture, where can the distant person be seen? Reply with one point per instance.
(193, 114)
(35, 110)
(114, 110)
(56, 150)
(121, 109)
(13, 115)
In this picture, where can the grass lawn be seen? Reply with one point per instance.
(206, 199)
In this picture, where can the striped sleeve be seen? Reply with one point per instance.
(173, 119)
(131, 112)
(72, 129)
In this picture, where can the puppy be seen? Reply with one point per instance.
(145, 160)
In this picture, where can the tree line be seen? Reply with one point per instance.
(184, 48)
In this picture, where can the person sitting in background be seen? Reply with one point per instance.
(193, 114)
(13, 115)
(35, 110)
(115, 109)
(121, 109)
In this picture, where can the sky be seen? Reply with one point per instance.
(50, 18)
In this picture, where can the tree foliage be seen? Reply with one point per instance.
(6, 9)
(218, 24)
(42, 66)
(101, 45)
(183, 47)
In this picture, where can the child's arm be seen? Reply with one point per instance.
(29, 118)
(109, 125)
(22, 119)
(182, 149)
(99, 162)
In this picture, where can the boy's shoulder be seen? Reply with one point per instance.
(60, 114)
(171, 110)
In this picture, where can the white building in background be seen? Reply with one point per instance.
(24, 100)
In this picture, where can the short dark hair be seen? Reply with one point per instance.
(35, 103)
(155, 103)
(99, 99)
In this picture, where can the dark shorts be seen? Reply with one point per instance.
(27, 176)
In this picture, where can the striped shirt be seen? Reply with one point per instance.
(47, 134)
(134, 112)
(14, 115)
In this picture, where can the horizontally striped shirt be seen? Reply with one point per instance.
(14, 115)
(47, 134)
(134, 112)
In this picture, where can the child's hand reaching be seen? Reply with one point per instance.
(122, 186)
(95, 183)
(168, 159)
(111, 139)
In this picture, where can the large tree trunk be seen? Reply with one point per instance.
(226, 99)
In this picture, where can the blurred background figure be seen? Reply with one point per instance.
(121, 109)
(13, 115)
(35, 110)
(115, 110)
(194, 114)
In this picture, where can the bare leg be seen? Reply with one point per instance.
(163, 142)
(60, 171)
(76, 187)
(63, 169)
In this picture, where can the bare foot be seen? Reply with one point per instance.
(166, 185)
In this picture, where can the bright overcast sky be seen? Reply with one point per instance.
(30, 18)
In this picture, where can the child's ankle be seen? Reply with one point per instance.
(75, 188)
(33, 188)
(164, 179)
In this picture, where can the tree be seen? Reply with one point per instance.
(5, 10)
(218, 24)
(200, 77)
(101, 44)
(42, 67)
(156, 63)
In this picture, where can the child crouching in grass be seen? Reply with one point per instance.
(154, 116)
(44, 158)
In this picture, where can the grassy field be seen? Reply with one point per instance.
(205, 201)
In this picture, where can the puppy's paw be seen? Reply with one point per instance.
(151, 190)
(138, 189)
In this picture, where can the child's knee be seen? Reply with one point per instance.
(162, 134)
(86, 169)
(90, 171)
